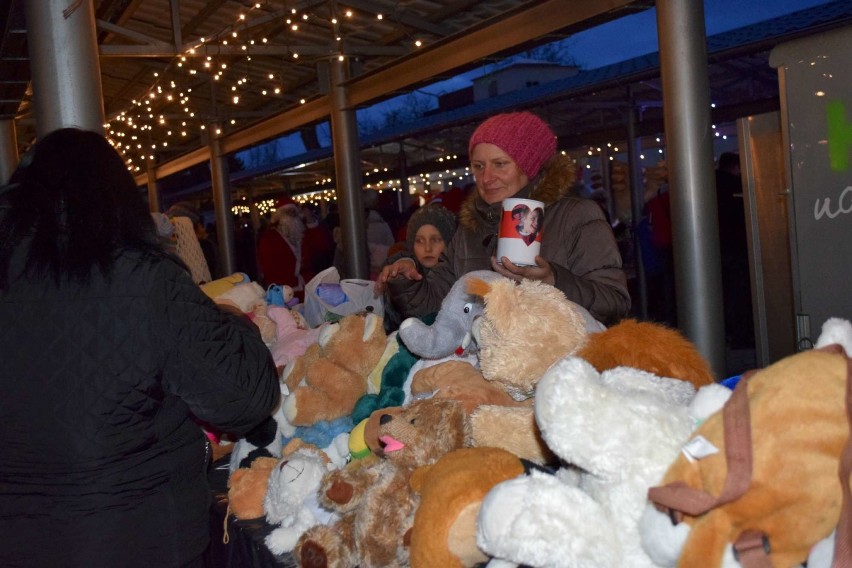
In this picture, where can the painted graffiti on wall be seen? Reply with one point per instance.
(839, 147)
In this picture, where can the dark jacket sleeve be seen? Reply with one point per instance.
(418, 298)
(216, 362)
(587, 262)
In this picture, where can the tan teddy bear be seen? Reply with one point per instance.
(793, 415)
(375, 502)
(331, 376)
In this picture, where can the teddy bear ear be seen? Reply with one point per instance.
(478, 287)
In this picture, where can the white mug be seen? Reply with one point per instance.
(519, 237)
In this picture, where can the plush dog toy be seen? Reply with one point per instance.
(331, 376)
(375, 502)
(791, 499)
(618, 432)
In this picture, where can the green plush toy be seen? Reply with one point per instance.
(389, 391)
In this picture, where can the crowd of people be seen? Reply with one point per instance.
(114, 359)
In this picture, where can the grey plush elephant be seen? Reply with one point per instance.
(451, 330)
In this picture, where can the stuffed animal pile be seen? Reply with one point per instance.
(525, 433)
(375, 502)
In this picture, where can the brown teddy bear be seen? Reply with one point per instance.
(461, 381)
(331, 376)
(451, 493)
(791, 494)
(524, 329)
(375, 502)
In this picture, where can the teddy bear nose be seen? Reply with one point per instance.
(385, 418)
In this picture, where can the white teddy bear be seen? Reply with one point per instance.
(291, 499)
(618, 432)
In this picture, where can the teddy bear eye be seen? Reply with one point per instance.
(411, 421)
(468, 307)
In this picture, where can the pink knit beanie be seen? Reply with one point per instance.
(527, 139)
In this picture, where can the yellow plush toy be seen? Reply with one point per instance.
(798, 429)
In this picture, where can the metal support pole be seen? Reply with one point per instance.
(153, 190)
(8, 150)
(637, 202)
(344, 133)
(66, 74)
(404, 187)
(220, 180)
(686, 110)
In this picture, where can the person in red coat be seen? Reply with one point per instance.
(279, 248)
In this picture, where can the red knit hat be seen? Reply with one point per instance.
(527, 139)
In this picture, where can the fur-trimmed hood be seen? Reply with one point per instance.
(552, 184)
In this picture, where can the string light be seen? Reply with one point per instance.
(184, 70)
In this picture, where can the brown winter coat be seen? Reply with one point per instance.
(576, 240)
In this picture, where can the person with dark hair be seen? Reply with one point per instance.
(514, 155)
(111, 358)
(429, 230)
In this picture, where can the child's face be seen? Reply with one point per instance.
(428, 245)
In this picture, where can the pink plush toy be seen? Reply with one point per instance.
(292, 340)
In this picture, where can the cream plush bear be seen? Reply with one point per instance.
(618, 432)
(291, 500)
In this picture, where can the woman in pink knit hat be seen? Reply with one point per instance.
(514, 155)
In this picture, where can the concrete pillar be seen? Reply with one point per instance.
(66, 74)
(344, 134)
(8, 150)
(686, 110)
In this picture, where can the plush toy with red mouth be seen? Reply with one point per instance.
(374, 499)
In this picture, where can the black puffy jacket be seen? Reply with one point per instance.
(103, 465)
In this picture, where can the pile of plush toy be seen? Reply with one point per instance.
(517, 430)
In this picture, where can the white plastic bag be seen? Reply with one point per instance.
(359, 298)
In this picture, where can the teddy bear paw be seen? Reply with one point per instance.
(340, 492)
(313, 555)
